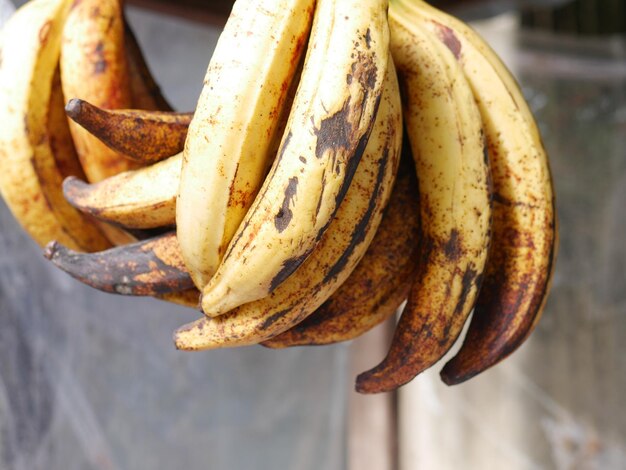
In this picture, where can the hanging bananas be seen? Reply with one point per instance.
(280, 207)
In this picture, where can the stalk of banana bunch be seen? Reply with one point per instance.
(444, 129)
(94, 68)
(330, 121)
(140, 135)
(30, 180)
(334, 258)
(230, 141)
(525, 239)
(381, 280)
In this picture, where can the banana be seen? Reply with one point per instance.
(59, 132)
(144, 90)
(444, 129)
(94, 68)
(330, 121)
(150, 267)
(524, 246)
(144, 136)
(380, 282)
(336, 255)
(30, 180)
(142, 198)
(230, 137)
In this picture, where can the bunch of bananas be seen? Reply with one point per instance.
(345, 156)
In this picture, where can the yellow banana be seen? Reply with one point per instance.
(334, 258)
(329, 124)
(380, 282)
(144, 136)
(444, 129)
(30, 180)
(142, 198)
(230, 137)
(94, 68)
(524, 245)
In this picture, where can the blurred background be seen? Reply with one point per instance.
(92, 381)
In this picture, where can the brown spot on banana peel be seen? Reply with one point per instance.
(285, 214)
(152, 267)
(449, 38)
(498, 326)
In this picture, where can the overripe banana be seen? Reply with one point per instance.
(336, 255)
(142, 198)
(330, 121)
(30, 180)
(524, 245)
(230, 137)
(94, 68)
(144, 136)
(380, 282)
(444, 128)
(150, 267)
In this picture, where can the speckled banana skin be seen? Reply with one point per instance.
(330, 121)
(30, 178)
(230, 141)
(334, 258)
(525, 238)
(445, 131)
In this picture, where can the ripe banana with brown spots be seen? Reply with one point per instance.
(150, 267)
(230, 142)
(339, 251)
(144, 136)
(444, 128)
(380, 282)
(143, 198)
(329, 124)
(30, 180)
(94, 68)
(524, 243)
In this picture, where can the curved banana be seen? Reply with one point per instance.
(94, 68)
(30, 180)
(150, 267)
(330, 121)
(145, 92)
(227, 151)
(444, 129)
(143, 198)
(380, 282)
(524, 245)
(144, 136)
(334, 258)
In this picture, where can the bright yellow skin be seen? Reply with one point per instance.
(30, 180)
(332, 115)
(228, 147)
(334, 258)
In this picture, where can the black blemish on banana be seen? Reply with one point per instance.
(285, 214)
(360, 229)
(288, 267)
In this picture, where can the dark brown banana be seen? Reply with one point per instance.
(144, 136)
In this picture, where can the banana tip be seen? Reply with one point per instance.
(73, 107)
(51, 249)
